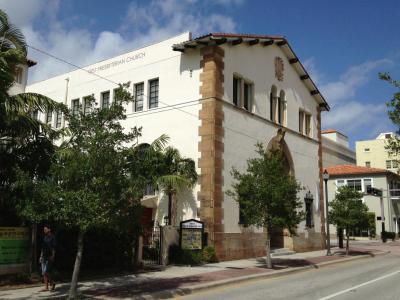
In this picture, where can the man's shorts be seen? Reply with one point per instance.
(46, 266)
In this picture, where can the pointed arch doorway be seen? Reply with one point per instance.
(278, 144)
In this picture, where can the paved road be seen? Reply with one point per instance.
(366, 279)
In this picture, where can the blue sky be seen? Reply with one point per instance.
(343, 44)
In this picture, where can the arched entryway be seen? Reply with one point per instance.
(278, 143)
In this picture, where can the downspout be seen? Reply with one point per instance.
(65, 102)
(390, 217)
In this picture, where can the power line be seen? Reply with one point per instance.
(167, 105)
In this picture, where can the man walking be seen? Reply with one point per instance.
(47, 256)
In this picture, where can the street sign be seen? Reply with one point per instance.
(374, 191)
(191, 234)
(14, 245)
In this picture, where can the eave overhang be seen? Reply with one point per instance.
(215, 39)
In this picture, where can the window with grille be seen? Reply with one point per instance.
(301, 121)
(87, 105)
(248, 96)
(153, 95)
(308, 125)
(58, 119)
(237, 90)
(105, 99)
(49, 116)
(139, 94)
(75, 107)
(355, 184)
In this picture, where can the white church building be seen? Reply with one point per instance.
(216, 96)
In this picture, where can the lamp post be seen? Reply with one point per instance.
(325, 176)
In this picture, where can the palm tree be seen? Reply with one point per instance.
(25, 142)
(178, 173)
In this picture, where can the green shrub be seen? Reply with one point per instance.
(184, 257)
(209, 255)
(389, 235)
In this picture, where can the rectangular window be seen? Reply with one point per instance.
(139, 94)
(355, 184)
(248, 96)
(368, 164)
(18, 75)
(388, 136)
(301, 122)
(367, 183)
(388, 164)
(236, 91)
(340, 182)
(75, 107)
(395, 164)
(58, 119)
(35, 114)
(308, 125)
(87, 105)
(49, 116)
(153, 97)
(105, 99)
(366, 149)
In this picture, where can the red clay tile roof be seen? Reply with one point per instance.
(329, 131)
(353, 170)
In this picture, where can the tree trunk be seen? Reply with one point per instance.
(340, 237)
(347, 241)
(74, 281)
(268, 259)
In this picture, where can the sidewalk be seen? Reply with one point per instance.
(178, 280)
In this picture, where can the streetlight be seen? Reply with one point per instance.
(325, 176)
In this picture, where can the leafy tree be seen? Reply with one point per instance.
(267, 195)
(90, 185)
(347, 211)
(25, 142)
(394, 113)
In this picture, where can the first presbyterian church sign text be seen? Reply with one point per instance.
(118, 62)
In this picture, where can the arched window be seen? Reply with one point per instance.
(272, 103)
(281, 107)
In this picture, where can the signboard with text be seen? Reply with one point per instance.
(191, 234)
(14, 245)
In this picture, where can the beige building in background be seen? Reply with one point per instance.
(360, 178)
(336, 149)
(372, 153)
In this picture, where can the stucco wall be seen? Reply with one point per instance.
(243, 129)
(178, 85)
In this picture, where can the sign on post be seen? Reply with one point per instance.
(14, 248)
(191, 234)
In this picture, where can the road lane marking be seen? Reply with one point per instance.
(352, 289)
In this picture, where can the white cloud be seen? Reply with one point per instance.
(354, 78)
(354, 115)
(142, 24)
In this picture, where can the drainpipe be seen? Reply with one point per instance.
(65, 101)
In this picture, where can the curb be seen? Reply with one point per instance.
(205, 286)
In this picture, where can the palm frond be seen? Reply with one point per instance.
(160, 143)
(173, 182)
